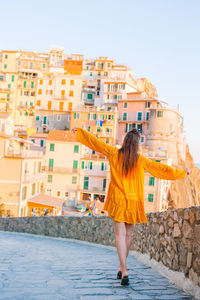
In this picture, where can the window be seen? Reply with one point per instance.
(86, 183)
(158, 160)
(74, 179)
(88, 116)
(76, 148)
(104, 184)
(89, 128)
(151, 181)
(89, 96)
(125, 104)
(38, 102)
(24, 84)
(33, 140)
(142, 140)
(51, 162)
(61, 105)
(107, 141)
(49, 104)
(76, 116)
(9, 86)
(90, 73)
(50, 82)
(58, 193)
(147, 115)
(139, 116)
(32, 84)
(139, 127)
(94, 116)
(40, 92)
(31, 103)
(42, 143)
(91, 165)
(124, 116)
(33, 94)
(71, 82)
(6, 56)
(63, 81)
(5, 66)
(98, 129)
(2, 77)
(102, 166)
(147, 104)
(66, 194)
(150, 197)
(52, 147)
(13, 78)
(83, 165)
(75, 164)
(44, 66)
(50, 178)
(58, 117)
(24, 192)
(159, 114)
(41, 81)
(71, 93)
(33, 189)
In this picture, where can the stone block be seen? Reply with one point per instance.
(161, 229)
(187, 230)
(192, 218)
(197, 233)
(189, 259)
(177, 232)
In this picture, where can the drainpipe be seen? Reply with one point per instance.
(20, 188)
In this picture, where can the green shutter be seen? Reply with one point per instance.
(74, 115)
(139, 116)
(112, 117)
(5, 66)
(24, 84)
(89, 128)
(104, 184)
(147, 115)
(32, 84)
(37, 118)
(9, 86)
(52, 147)
(42, 143)
(50, 178)
(75, 164)
(91, 165)
(86, 183)
(102, 166)
(51, 162)
(89, 96)
(88, 116)
(151, 181)
(13, 78)
(150, 197)
(74, 179)
(94, 116)
(83, 164)
(31, 103)
(76, 148)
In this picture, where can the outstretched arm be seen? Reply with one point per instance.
(162, 171)
(92, 142)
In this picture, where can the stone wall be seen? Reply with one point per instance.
(171, 237)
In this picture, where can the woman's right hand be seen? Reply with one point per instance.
(74, 130)
(188, 171)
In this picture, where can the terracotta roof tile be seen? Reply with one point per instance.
(61, 135)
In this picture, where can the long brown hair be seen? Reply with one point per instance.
(129, 151)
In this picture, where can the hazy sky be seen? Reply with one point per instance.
(158, 39)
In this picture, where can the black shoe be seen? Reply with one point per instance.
(125, 280)
(119, 275)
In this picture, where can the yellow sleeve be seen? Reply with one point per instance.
(93, 143)
(162, 171)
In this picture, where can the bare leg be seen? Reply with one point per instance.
(128, 237)
(120, 235)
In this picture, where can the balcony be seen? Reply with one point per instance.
(61, 170)
(97, 190)
(13, 153)
(89, 101)
(33, 177)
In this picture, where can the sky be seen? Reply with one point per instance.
(157, 39)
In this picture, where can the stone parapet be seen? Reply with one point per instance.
(171, 237)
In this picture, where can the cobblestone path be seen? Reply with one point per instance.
(43, 268)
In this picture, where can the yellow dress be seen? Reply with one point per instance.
(125, 197)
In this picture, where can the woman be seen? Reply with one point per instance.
(125, 197)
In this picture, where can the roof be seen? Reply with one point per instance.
(47, 200)
(61, 135)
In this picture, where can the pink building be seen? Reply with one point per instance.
(134, 113)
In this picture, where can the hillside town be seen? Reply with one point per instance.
(44, 170)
